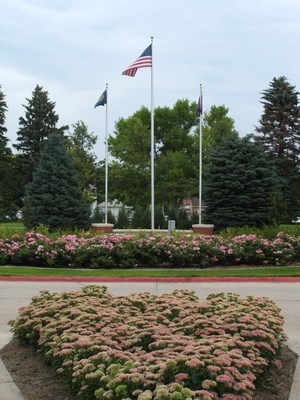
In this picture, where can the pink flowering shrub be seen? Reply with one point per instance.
(127, 251)
(144, 347)
(28, 248)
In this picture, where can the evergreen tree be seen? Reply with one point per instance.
(182, 220)
(123, 220)
(6, 206)
(3, 139)
(39, 122)
(278, 211)
(54, 198)
(239, 185)
(195, 218)
(111, 218)
(141, 218)
(159, 218)
(279, 135)
(97, 216)
(279, 130)
(171, 212)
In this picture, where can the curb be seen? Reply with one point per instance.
(295, 387)
(8, 388)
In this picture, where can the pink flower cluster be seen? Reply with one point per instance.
(127, 251)
(149, 347)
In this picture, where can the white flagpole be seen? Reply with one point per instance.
(106, 156)
(200, 156)
(152, 143)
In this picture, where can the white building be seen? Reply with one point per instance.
(114, 207)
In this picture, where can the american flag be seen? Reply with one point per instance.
(144, 61)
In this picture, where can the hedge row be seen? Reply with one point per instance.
(134, 251)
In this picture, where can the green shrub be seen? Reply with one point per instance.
(267, 231)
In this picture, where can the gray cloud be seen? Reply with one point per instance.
(72, 48)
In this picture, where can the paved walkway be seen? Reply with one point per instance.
(15, 293)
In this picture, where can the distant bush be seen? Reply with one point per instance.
(267, 231)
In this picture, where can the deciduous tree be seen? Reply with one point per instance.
(175, 172)
(217, 127)
(80, 145)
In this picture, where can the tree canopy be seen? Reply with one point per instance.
(176, 134)
(80, 145)
(217, 127)
(175, 149)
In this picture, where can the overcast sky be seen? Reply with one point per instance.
(73, 48)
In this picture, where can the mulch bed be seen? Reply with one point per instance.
(37, 381)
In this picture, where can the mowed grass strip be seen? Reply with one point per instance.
(213, 272)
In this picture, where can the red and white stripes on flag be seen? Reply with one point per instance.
(144, 61)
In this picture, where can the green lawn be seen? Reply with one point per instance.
(243, 272)
(11, 226)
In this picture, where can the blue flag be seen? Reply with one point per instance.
(102, 99)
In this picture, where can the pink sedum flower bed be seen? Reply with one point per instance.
(147, 347)
(134, 251)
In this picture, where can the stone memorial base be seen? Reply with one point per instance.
(204, 229)
(107, 228)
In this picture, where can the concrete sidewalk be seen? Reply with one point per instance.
(14, 294)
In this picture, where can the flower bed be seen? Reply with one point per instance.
(147, 347)
(133, 251)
